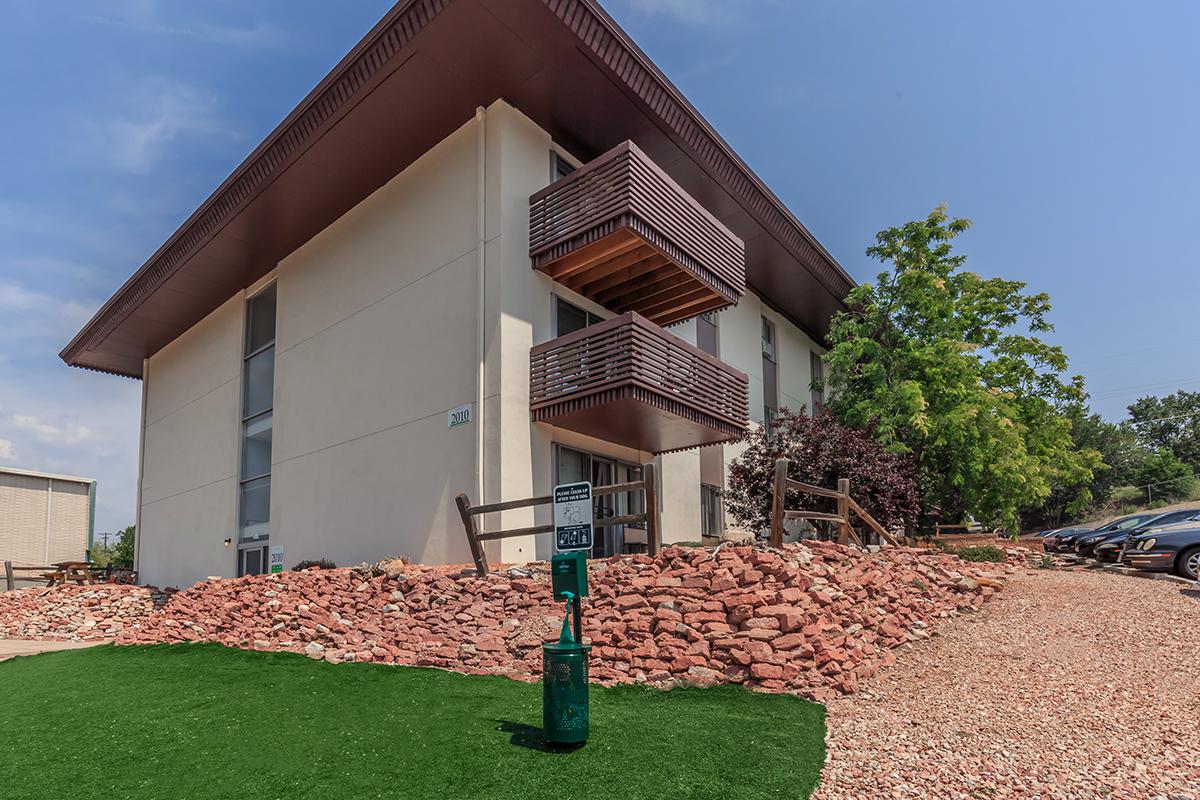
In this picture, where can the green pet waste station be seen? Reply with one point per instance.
(565, 662)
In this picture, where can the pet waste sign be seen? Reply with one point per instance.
(573, 527)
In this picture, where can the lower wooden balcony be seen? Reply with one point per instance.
(628, 381)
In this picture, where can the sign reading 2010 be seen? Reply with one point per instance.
(573, 516)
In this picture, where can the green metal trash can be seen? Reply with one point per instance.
(565, 692)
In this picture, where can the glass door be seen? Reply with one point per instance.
(576, 465)
(607, 542)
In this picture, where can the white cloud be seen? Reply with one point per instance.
(32, 315)
(75, 422)
(165, 111)
(14, 297)
(147, 16)
(66, 433)
(7, 450)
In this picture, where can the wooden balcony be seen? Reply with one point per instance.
(628, 381)
(622, 233)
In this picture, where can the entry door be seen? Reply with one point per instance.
(576, 465)
(609, 537)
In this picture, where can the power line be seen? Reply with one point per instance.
(1163, 419)
(1151, 349)
(1122, 389)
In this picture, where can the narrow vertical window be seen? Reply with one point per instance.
(706, 333)
(770, 370)
(258, 389)
(818, 378)
(559, 167)
(711, 518)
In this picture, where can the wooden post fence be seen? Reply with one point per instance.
(846, 506)
(29, 573)
(476, 536)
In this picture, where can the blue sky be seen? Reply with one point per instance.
(1066, 130)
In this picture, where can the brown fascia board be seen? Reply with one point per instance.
(386, 49)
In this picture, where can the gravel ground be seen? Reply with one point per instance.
(11, 648)
(1069, 685)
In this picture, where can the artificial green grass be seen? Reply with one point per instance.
(202, 721)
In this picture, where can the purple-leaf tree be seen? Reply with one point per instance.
(819, 451)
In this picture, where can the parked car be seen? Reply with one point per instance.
(1063, 541)
(1175, 550)
(1108, 547)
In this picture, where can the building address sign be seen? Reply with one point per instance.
(458, 416)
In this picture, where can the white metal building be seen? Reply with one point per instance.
(45, 518)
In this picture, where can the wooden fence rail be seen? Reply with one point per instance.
(11, 577)
(58, 573)
(476, 536)
(846, 506)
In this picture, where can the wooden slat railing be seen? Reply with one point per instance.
(631, 352)
(626, 183)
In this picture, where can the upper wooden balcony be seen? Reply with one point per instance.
(628, 381)
(620, 232)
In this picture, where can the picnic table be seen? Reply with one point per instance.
(64, 571)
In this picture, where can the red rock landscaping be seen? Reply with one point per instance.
(79, 613)
(814, 619)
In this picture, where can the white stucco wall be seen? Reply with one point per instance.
(740, 343)
(376, 341)
(191, 440)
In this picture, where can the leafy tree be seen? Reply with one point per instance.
(946, 366)
(1122, 455)
(122, 551)
(100, 555)
(1171, 423)
(820, 451)
(1165, 476)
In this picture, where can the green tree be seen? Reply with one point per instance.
(1121, 452)
(946, 366)
(100, 555)
(1165, 476)
(1171, 423)
(122, 551)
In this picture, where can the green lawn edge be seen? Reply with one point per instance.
(204, 721)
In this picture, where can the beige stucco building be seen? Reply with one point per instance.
(445, 274)
(45, 518)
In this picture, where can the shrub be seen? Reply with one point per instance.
(820, 451)
(1168, 477)
(321, 563)
(982, 553)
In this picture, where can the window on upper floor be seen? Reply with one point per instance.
(817, 365)
(569, 317)
(706, 333)
(560, 167)
(768, 339)
(770, 375)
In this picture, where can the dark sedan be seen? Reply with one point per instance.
(1108, 547)
(1064, 540)
(1175, 551)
